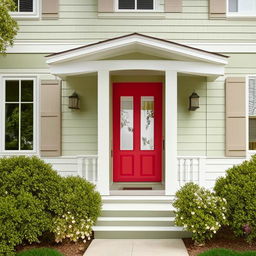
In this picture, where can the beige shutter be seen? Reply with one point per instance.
(173, 5)
(50, 9)
(217, 9)
(106, 5)
(50, 118)
(235, 117)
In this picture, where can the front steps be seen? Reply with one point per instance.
(127, 217)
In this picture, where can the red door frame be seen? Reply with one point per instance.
(144, 165)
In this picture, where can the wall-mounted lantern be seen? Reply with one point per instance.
(194, 101)
(73, 101)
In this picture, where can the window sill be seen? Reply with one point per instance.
(25, 16)
(136, 15)
(241, 16)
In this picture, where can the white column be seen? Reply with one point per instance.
(171, 168)
(103, 132)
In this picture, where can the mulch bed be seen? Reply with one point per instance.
(66, 248)
(224, 239)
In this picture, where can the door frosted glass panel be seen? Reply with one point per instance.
(126, 127)
(147, 123)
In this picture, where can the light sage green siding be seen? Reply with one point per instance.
(79, 127)
(80, 22)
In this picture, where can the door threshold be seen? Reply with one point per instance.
(137, 192)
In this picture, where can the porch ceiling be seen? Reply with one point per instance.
(172, 56)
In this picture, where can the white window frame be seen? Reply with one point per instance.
(35, 150)
(239, 14)
(249, 152)
(135, 9)
(29, 15)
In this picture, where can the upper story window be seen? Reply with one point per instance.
(242, 7)
(252, 113)
(26, 8)
(136, 5)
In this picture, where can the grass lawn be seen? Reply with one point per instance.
(40, 252)
(225, 252)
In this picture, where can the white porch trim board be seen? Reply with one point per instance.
(171, 111)
(103, 131)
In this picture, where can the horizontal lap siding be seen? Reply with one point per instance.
(79, 127)
(191, 124)
(79, 22)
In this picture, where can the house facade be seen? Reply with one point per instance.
(134, 67)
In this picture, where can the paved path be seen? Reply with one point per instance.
(136, 247)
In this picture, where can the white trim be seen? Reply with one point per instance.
(83, 67)
(29, 15)
(103, 131)
(171, 132)
(19, 77)
(135, 9)
(131, 43)
(52, 47)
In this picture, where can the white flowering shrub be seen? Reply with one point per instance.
(72, 228)
(199, 211)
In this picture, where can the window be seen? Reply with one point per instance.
(252, 113)
(242, 7)
(26, 8)
(138, 5)
(19, 111)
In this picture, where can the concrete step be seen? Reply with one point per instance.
(137, 232)
(135, 221)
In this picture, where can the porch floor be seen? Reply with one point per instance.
(136, 247)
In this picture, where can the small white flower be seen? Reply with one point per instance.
(84, 241)
(77, 232)
(89, 238)
(192, 213)
(194, 231)
(70, 226)
(181, 218)
(73, 221)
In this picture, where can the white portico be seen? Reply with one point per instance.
(168, 59)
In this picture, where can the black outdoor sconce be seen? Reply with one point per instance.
(194, 101)
(73, 102)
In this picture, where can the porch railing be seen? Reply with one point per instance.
(191, 169)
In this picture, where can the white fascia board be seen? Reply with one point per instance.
(85, 67)
(53, 47)
(134, 40)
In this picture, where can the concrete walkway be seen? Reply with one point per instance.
(136, 247)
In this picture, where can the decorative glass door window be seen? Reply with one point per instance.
(135, 4)
(126, 123)
(242, 6)
(19, 115)
(147, 123)
(252, 114)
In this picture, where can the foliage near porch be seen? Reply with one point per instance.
(34, 197)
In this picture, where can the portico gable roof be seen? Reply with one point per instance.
(137, 43)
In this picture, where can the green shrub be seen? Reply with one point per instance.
(21, 218)
(40, 252)
(239, 189)
(32, 175)
(199, 211)
(28, 189)
(225, 252)
(79, 208)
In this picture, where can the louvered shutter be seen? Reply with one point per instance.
(217, 9)
(173, 5)
(235, 117)
(50, 9)
(105, 5)
(50, 100)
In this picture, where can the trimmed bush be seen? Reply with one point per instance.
(80, 206)
(239, 189)
(225, 252)
(199, 211)
(40, 252)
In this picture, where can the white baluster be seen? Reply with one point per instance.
(191, 169)
(86, 168)
(94, 169)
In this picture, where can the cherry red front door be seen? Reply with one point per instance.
(137, 132)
